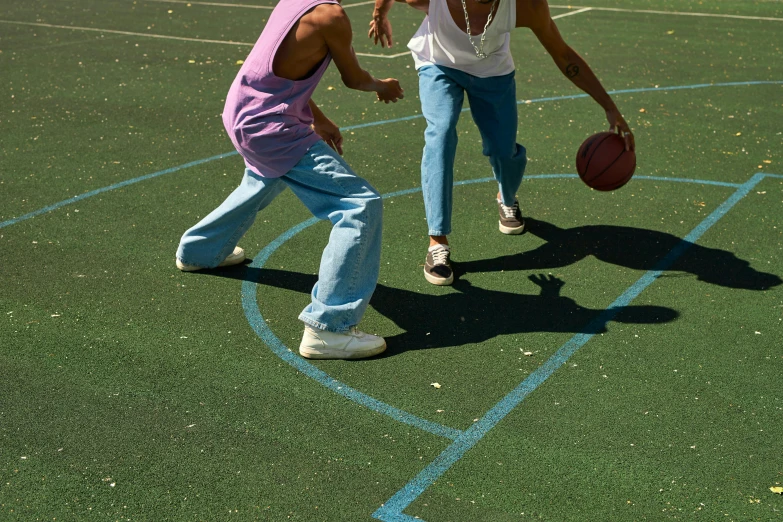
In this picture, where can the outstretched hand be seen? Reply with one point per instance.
(617, 124)
(381, 31)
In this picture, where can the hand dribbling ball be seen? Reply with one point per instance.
(603, 163)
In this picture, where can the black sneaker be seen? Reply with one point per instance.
(511, 221)
(437, 268)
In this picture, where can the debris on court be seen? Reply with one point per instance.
(777, 489)
(435, 385)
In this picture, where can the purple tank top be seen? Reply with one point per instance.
(267, 117)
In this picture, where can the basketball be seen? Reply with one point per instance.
(603, 163)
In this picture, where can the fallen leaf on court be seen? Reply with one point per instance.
(642, 110)
(738, 134)
(762, 192)
(670, 32)
(191, 61)
(700, 203)
(435, 385)
(330, 88)
(767, 161)
(776, 489)
(527, 354)
(440, 411)
(757, 333)
(240, 62)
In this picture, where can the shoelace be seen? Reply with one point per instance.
(510, 211)
(440, 256)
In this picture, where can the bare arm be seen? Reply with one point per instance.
(380, 27)
(535, 15)
(336, 29)
(326, 128)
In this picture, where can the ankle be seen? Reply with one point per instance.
(439, 240)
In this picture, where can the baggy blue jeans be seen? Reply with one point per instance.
(328, 187)
(493, 105)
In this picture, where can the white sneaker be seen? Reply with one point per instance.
(234, 258)
(354, 344)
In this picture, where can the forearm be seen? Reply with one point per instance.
(576, 69)
(318, 115)
(382, 8)
(362, 81)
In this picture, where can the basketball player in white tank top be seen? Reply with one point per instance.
(462, 47)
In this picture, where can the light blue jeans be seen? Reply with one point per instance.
(493, 105)
(330, 190)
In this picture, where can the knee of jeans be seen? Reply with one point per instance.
(371, 206)
(374, 206)
(517, 154)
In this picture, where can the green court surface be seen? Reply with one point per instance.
(620, 361)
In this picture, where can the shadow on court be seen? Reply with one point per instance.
(473, 315)
(635, 248)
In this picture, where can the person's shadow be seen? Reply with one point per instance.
(473, 314)
(635, 248)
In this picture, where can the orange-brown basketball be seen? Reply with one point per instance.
(603, 163)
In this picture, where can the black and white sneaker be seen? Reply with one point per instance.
(437, 268)
(511, 221)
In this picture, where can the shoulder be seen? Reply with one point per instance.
(329, 15)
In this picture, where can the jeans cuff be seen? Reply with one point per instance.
(321, 326)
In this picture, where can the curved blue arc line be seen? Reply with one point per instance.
(259, 325)
(86, 195)
(584, 95)
(571, 176)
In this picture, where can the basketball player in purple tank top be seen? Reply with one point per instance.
(286, 141)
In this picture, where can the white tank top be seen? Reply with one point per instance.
(439, 41)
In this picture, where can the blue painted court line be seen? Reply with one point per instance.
(110, 187)
(585, 95)
(354, 127)
(256, 320)
(392, 510)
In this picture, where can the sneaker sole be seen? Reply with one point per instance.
(309, 353)
(511, 231)
(438, 280)
(229, 261)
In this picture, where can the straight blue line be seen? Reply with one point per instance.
(111, 187)
(392, 510)
(259, 325)
(354, 127)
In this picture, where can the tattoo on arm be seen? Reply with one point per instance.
(572, 70)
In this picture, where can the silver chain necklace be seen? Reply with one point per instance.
(480, 49)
